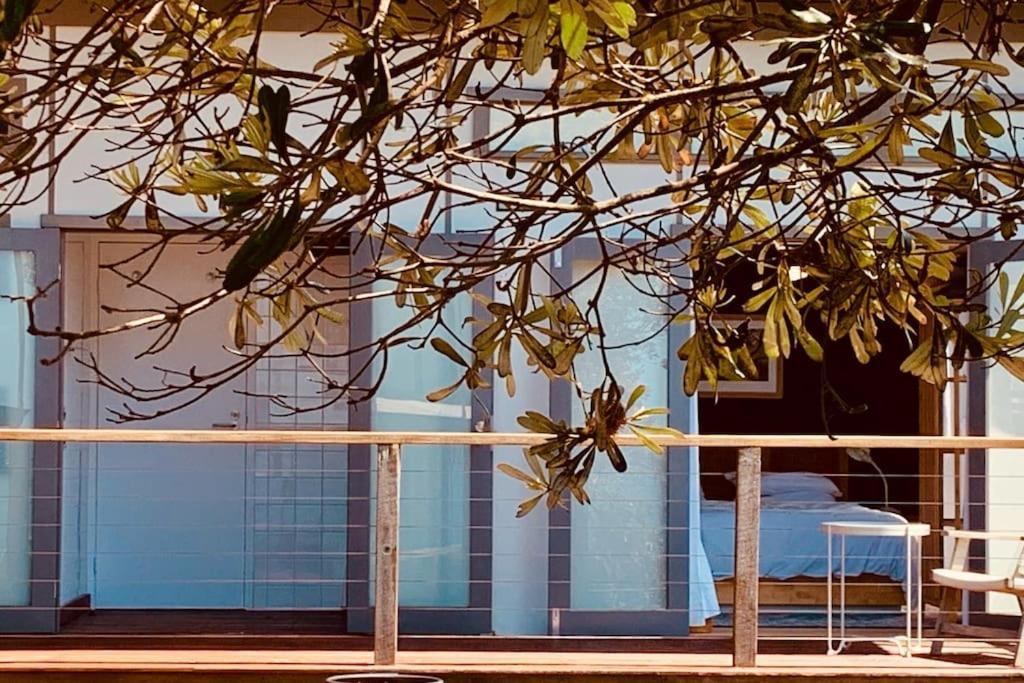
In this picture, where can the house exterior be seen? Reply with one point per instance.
(256, 527)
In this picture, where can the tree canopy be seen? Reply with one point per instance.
(846, 152)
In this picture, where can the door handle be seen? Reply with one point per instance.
(234, 415)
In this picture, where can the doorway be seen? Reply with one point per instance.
(837, 396)
(198, 526)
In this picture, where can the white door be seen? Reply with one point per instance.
(170, 519)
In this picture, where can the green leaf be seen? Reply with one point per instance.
(757, 301)
(635, 395)
(236, 327)
(248, 164)
(974, 139)
(1008, 228)
(646, 440)
(937, 156)
(852, 129)
(1014, 365)
(521, 296)
(627, 17)
(977, 65)
(153, 214)
(526, 506)
(537, 422)
(496, 12)
(517, 473)
(275, 106)
(809, 344)
(239, 201)
(262, 248)
(771, 330)
(866, 149)
(444, 348)
(535, 38)
(1018, 291)
(650, 412)
(443, 393)
(616, 457)
(798, 90)
(537, 351)
(16, 13)
(458, 84)
(989, 124)
(574, 28)
(692, 375)
(947, 141)
(663, 431)
(350, 176)
(363, 68)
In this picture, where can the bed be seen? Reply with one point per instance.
(793, 552)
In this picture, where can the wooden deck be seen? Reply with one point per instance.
(786, 655)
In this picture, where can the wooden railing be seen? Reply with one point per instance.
(389, 448)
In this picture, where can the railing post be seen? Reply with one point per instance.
(385, 619)
(748, 522)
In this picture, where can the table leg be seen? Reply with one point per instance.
(828, 599)
(842, 591)
(909, 593)
(920, 592)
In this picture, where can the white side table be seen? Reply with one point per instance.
(913, 533)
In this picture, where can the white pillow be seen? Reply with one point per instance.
(812, 485)
(805, 496)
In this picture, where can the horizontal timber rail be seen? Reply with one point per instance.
(389, 447)
(497, 438)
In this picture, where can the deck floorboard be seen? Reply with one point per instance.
(286, 648)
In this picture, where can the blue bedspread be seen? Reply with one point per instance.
(793, 543)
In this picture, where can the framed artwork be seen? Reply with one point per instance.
(767, 384)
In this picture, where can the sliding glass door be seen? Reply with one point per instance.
(445, 536)
(620, 566)
(29, 472)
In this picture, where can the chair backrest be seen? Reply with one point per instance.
(1018, 570)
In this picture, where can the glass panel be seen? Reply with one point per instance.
(618, 543)
(434, 534)
(17, 401)
(297, 494)
(1004, 414)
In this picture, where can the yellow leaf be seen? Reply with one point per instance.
(866, 149)
(496, 12)
(574, 28)
(651, 445)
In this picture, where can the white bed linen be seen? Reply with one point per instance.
(793, 543)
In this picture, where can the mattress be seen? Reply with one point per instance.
(793, 543)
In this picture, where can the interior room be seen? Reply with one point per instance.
(837, 396)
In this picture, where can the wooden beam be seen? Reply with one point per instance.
(385, 619)
(494, 438)
(748, 531)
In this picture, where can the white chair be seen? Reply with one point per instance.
(958, 578)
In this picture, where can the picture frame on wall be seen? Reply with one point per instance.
(768, 383)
